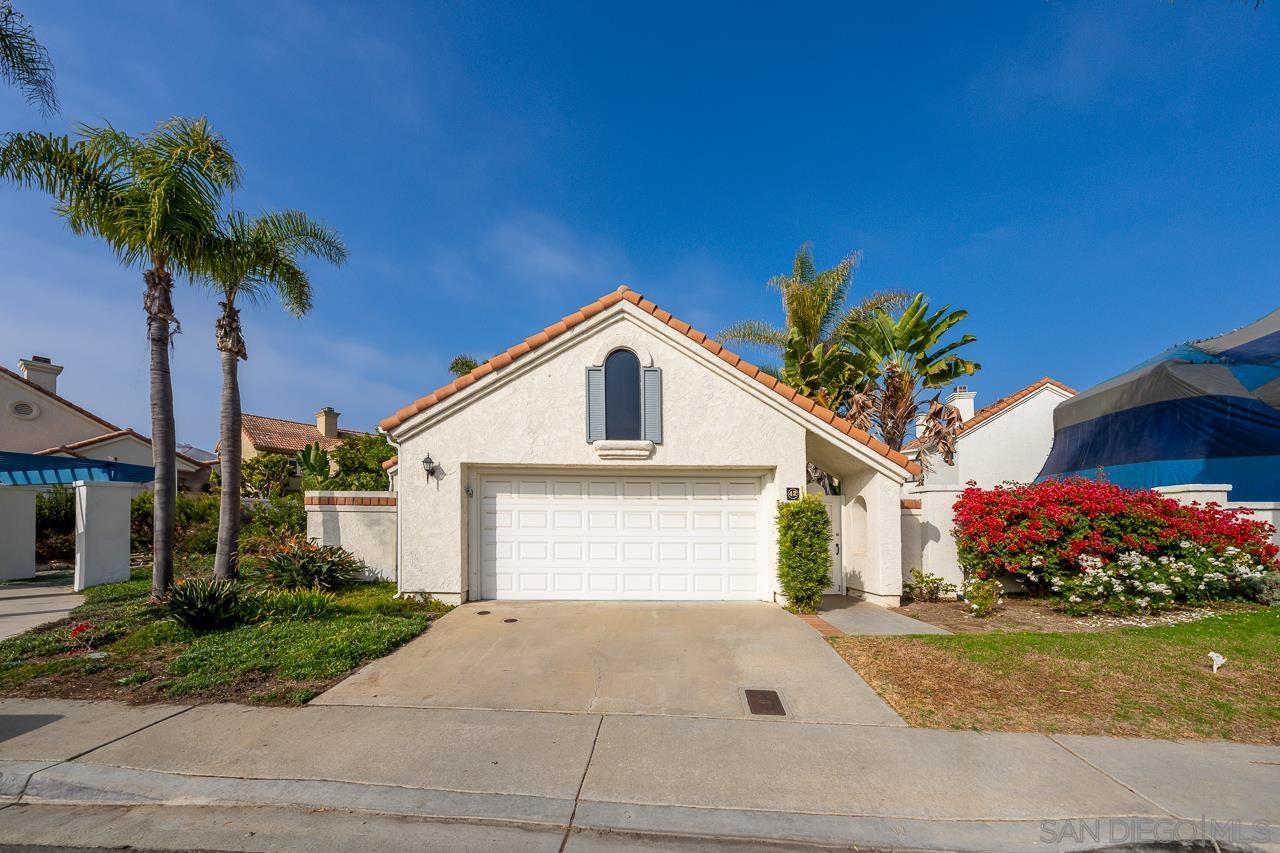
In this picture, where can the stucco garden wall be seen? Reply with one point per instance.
(364, 523)
(710, 422)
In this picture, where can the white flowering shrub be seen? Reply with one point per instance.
(983, 597)
(1136, 583)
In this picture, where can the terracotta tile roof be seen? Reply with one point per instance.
(391, 463)
(986, 413)
(47, 393)
(119, 433)
(276, 435)
(532, 342)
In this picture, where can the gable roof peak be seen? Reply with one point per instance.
(624, 293)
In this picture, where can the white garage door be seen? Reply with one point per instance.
(618, 537)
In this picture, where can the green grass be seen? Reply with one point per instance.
(1141, 682)
(152, 658)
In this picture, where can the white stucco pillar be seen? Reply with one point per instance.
(883, 583)
(102, 532)
(17, 532)
(938, 553)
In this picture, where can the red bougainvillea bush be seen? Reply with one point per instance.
(1096, 546)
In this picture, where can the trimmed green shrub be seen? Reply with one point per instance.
(289, 605)
(203, 604)
(301, 564)
(804, 558)
(1263, 588)
(924, 586)
(983, 596)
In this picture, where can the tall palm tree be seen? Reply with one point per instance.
(23, 61)
(154, 199)
(907, 358)
(253, 260)
(815, 304)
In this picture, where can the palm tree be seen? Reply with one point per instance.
(815, 304)
(253, 259)
(906, 358)
(23, 61)
(155, 200)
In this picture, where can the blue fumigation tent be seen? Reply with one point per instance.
(1202, 412)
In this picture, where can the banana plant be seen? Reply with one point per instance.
(828, 374)
(908, 358)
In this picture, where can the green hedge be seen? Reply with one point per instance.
(804, 556)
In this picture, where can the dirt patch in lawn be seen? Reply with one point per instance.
(1130, 682)
(1038, 614)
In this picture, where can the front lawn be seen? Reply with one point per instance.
(150, 658)
(1130, 682)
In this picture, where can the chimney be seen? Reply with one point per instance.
(40, 370)
(327, 422)
(962, 399)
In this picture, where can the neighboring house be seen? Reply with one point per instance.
(1007, 440)
(261, 434)
(34, 418)
(621, 454)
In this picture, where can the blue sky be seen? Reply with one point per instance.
(1092, 181)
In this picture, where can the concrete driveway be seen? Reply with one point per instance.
(680, 659)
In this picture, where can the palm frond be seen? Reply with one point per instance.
(756, 333)
(252, 258)
(24, 62)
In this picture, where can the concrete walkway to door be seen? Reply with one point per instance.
(659, 658)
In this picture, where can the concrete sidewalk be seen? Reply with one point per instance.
(853, 616)
(26, 605)
(238, 778)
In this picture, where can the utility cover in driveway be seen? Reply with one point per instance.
(613, 537)
(765, 702)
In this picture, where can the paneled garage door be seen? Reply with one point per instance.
(570, 536)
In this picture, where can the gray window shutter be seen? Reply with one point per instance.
(651, 405)
(595, 403)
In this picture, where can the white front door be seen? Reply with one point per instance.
(833, 504)
(619, 536)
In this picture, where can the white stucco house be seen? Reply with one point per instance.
(35, 418)
(1008, 440)
(620, 454)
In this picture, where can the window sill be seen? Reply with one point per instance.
(615, 449)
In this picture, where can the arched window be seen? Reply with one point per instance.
(622, 395)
